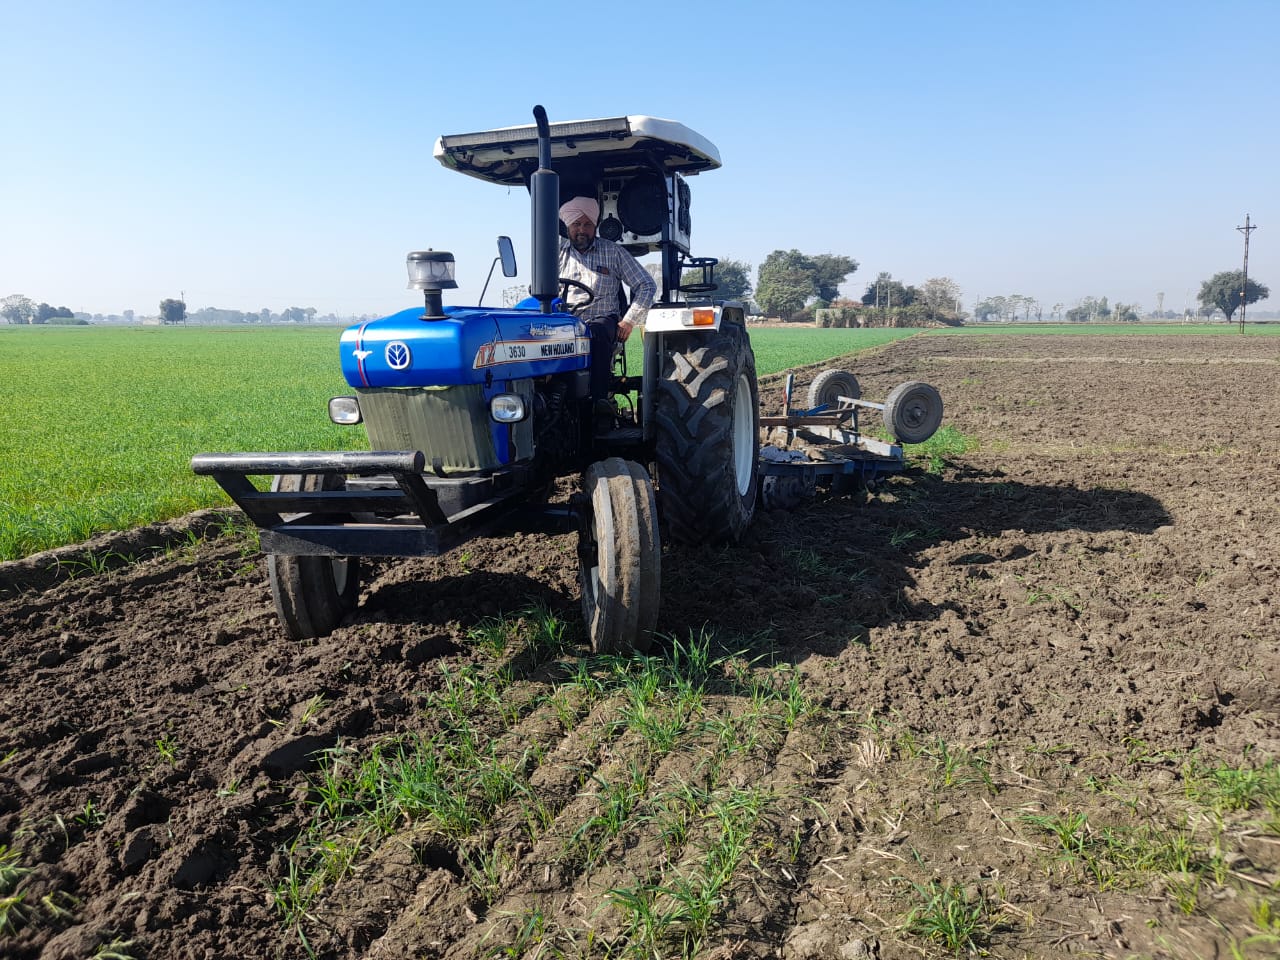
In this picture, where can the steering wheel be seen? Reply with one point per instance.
(566, 283)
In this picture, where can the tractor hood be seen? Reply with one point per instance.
(470, 345)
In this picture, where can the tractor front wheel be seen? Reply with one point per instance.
(619, 557)
(313, 594)
(708, 435)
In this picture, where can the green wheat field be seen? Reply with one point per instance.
(100, 423)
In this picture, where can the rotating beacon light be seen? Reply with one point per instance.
(431, 271)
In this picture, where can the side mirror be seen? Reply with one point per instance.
(507, 254)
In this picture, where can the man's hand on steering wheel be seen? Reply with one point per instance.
(624, 326)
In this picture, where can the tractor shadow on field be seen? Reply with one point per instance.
(466, 600)
(818, 578)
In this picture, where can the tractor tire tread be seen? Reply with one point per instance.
(697, 484)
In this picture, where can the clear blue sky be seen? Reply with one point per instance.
(279, 154)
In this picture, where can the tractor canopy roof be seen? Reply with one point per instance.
(580, 149)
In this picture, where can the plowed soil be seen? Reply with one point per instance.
(1038, 679)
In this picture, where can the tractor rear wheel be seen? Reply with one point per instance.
(708, 435)
(830, 385)
(913, 411)
(619, 557)
(313, 594)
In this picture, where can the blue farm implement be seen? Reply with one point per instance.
(823, 447)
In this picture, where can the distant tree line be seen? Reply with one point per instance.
(792, 285)
(1015, 307)
(1008, 307)
(175, 311)
(795, 286)
(19, 309)
(288, 315)
(1223, 292)
(789, 281)
(936, 301)
(1096, 309)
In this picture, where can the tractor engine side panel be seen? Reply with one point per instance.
(469, 346)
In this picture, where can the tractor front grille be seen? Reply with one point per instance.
(451, 425)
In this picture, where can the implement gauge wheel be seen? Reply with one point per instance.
(313, 594)
(830, 385)
(913, 411)
(707, 414)
(619, 557)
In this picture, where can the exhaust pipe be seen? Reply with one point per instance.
(544, 191)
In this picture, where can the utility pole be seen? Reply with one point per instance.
(1244, 283)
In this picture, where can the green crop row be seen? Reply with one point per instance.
(101, 424)
(670, 786)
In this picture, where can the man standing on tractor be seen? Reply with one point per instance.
(602, 267)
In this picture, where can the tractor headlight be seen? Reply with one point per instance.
(344, 410)
(507, 408)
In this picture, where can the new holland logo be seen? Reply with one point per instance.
(398, 355)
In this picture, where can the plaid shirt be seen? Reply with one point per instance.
(603, 269)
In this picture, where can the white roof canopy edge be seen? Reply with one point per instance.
(494, 155)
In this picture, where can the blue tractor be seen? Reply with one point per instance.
(473, 413)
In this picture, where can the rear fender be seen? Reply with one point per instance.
(693, 318)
